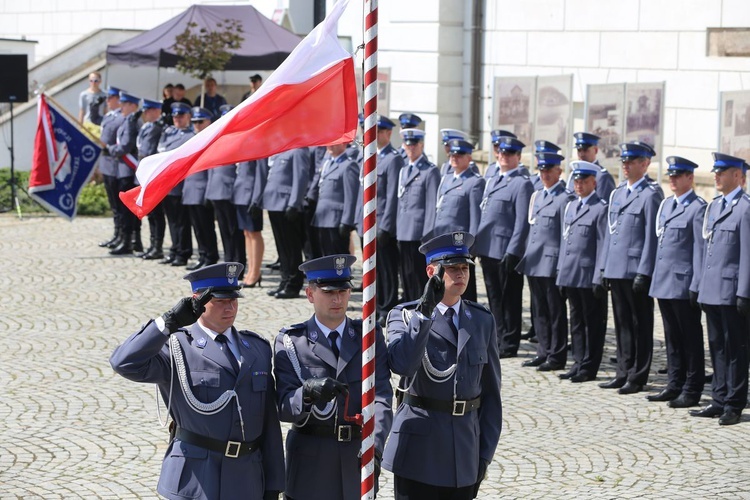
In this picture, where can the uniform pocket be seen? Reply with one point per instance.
(184, 470)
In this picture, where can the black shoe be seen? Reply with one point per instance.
(106, 244)
(287, 294)
(567, 375)
(167, 260)
(115, 243)
(665, 395)
(154, 255)
(273, 292)
(528, 335)
(710, 411)
(178, 262)
(613, 359)
(196, 265)
(548, 367)
(142, 254)
(538, 360)
(615, 383)
(578, 378)
(683, 401)
(274, 265)
(630, 388)
(662, 371)
(507, 354)
(125, 247)
(534, 340)
(255, 283)
(730, 417)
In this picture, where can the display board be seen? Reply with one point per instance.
(734, 124)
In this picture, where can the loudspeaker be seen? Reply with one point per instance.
(14, 85)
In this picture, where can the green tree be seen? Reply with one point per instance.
(207, 51)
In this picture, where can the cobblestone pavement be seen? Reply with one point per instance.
(73, 429)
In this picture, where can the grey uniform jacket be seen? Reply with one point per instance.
(127, 137)
(417, 197)
(437, 447)
(679, 254)
(317, 465)
(543, 241)
(194, 188)
(458, 205)
(173, 138)
(110, 124)
(584, 234)
(250, 182)
(338, 186)
(221, 182)
(192, 472)
(631, 237)
(504, 225)
(148, 139)
(605, 183)
(288, 176)
(726, 264)
(389, 164)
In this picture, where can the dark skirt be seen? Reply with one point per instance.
(246, 222)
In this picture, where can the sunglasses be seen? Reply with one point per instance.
(95, 81)
(198, 121)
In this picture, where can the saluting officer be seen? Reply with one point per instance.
(389, 165)
(628, 263)
(177, 216)
(108, 165)
(587, 147)
(448, 424)
(417, 195)
(450, 134)
(679, 261)
(194, 200)
(147, 143)
(219, 192)
(216, 382)
(125, 144)
(583, 240)
(283, 197)
(318, 368)
(459, 200)
(336, 187)
(501, 240)
(539, 264)
(724, 290)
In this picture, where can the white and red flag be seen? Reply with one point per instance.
(310, 100)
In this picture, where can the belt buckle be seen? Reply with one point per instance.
(233, 449)
(344, 433)
(459, 408)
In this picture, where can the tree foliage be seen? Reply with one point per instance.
(207, 51)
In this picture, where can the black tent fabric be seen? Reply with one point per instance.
(265, 46)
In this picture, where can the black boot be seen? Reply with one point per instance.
(156, 252)
(117, 241)
(108, 242)
(137, 243)
(126, 245)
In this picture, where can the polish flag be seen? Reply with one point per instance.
(46, 156)
(310, 100)
(131, 161)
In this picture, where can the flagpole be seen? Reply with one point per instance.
(369, 225)
(74, 121)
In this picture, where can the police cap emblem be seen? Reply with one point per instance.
(458, 239)
(339, 263)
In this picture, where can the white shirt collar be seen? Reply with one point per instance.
(636, 183)
(731, 196)
(681, 199)
(586, 199)
(456, 308)
(326, 331)
(227, 333)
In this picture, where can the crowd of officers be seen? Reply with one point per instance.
(577, 243)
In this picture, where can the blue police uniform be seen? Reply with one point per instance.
(724, 290)
(337, 189)
(677, 268)
(448, 424)
(448, 135)
(220, 449)
(539, 264)
(628, 259)
(407, 121)
(324, 442)
(417, 196)
(178, 219)
(147, 143)
(584, 233)
(200, 211)
(318, 156)
(501, 239)
(283, 197)
(605, 183)
(108, 165)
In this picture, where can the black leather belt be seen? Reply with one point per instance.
(231, 449)
(456, 407)
(342, 433)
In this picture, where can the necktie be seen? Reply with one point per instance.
(723, 204)
(629, 191)
(674, 205)
(449, 313)
(224, 342)
(578, 208)
(332, 338)
(411, 169)
(545, 194)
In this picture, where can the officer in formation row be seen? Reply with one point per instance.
(226, 398)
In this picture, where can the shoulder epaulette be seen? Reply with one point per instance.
(717, 197)
(293, 328)
(746, 197)
(477, 305)
(622, 184)
(476, 174)
(701, 200)
(603, 201)
(253, 334)
(651, 186)
(525, 176)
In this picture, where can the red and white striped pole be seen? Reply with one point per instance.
(369, 225)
